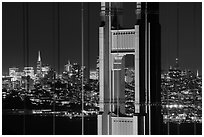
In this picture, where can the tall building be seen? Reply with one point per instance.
(45, 70)
(14, 74)
(115, 43)
(39, 66)
(29, 71)
(68, 67)
(181, 96)
(13, 71)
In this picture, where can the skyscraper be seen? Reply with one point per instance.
(13, 71)
(45, 70)
(39, 66)
(68, 67)
(29, 71)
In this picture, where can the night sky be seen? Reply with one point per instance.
(43, 32)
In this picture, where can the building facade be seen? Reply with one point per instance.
(29, 71)
(13, 71)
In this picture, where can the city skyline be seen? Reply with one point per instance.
(190, 55)
(40, 65)
(146, 57)
(40, 100)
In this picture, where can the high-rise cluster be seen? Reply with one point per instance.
(181, 95)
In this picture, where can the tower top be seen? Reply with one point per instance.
(39, 58)
(177, 63)
(114, 10)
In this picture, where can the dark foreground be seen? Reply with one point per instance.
(46, 125)
(49, 125)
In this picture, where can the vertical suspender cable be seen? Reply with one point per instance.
(53, 36)
(58, 36)
(82, 53)
(27, 36)
(24, 55)
(88, 42)
(166, 61)
(24, 37)
(194, 42)
(25, 51)
(54, 42)
(56, 33)
(58, 55)
(53, 53)
(109, 56)
(146, 56)
(177, 46)
(149, 95)
(146, 64)
(177, 56)
(88, 25)
(147, 77)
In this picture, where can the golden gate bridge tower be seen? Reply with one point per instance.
(143, 42)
